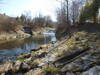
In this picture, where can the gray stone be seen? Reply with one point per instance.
(17, 65)
(25, 66)
(93, 71)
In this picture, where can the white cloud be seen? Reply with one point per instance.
(17, 7)
(46, 7)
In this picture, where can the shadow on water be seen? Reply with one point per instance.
(10, 49)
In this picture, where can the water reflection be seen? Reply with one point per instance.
(25, 43)
(10, 49)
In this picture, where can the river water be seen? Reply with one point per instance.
(11, 49)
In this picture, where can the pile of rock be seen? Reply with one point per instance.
(80, 55)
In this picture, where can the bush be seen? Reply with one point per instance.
(9, 25)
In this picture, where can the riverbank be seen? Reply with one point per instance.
(5, 37)
(79, 55)
(39, 31)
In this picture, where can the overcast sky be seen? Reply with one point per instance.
(34, 7)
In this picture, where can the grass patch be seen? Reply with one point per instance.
(51, 69)
(21, 59)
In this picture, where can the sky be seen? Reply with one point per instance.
(32, 7)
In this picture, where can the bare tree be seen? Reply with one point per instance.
(74, 11)
(63, 20)
(61, 15)
(67, 5)
(63, 11)
(48, 21)
(39, 20)
(26, 18)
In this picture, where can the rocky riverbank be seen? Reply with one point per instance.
(79, 55)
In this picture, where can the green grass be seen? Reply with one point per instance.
(21, 59)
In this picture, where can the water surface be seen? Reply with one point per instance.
(11, 49)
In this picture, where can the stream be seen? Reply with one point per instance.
(11, 49)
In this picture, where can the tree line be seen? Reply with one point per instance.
(78, 11)
(75, 12)
(71, 12)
